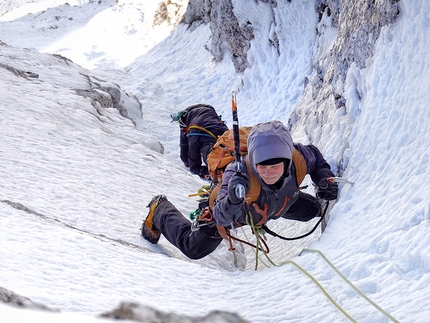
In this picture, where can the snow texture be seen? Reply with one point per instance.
(77, 171)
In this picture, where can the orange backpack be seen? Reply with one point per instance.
(223, 153)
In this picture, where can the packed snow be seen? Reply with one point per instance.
(76, 178)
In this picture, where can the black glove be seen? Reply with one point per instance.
(204, 172)
(327, 190)
(236, 180)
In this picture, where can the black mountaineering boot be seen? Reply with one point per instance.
(148, 231)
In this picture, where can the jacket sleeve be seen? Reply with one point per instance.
(183, 145)
(224, 212)
(317, 166)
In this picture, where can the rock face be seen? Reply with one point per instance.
(355, 26)
(102, 94)
(129, 311)
(140, 313)
(13, 299)
(358, 25)
(225, 28)
(170, 11)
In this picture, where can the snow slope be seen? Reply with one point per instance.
(75, 179)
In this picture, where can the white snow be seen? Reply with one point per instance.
(85, 174)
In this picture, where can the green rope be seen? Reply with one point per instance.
(352, 285)
(256, 230)
(322, 289)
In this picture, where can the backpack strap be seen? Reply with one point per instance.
(301, 167)
(194, 126)
(213, 195)
(254, 184)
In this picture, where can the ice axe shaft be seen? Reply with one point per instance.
(239, 190)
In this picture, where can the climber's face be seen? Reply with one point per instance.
(270, 174)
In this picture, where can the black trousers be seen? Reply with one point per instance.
(197, 244)
(177, 229)
(304, 209)
(199, 147)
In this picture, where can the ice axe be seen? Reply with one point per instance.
(323, 183)
(240, 189)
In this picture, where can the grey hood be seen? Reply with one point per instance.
(269, 140)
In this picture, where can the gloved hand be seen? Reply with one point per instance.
(327, 190)
(235, 180)
(204, 172)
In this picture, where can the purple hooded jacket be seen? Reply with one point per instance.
(266, 141)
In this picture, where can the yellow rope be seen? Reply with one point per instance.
(259, 246)
(352, 285)
(256, 229)
(322, 289)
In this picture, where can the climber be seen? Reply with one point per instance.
(270, 154)
(200, 125)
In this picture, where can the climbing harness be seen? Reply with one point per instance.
(206, 131)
